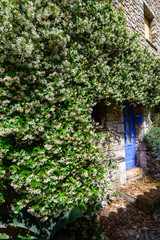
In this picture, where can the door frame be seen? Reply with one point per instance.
(130, 159)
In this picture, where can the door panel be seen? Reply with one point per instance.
(130, 154)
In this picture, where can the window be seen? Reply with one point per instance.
(147, 30)
(150, 26)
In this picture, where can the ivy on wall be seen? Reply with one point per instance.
(56, 58)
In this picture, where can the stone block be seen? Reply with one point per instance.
(109, 125)
(143, 159)
(120, 127)
(110, 116)
(121, 117)
(142, 146)
(122, 172)
(154, 32)
(154, 35)
(122, 139)
(120, 154)
(145, 122)
(137, 158)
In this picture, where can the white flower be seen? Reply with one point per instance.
(41, 129)
(85, 174)
(48, 147)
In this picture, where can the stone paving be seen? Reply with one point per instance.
(144, 193)
(122, 221)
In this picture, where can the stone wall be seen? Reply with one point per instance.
(140, 130)
(135, 10)
(111, 120)
(110, 117)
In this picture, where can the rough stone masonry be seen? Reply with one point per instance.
(111, 117)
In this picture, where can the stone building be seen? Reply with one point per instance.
(128, 126)
(143, 17)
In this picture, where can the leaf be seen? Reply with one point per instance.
(3, 236)
(33, 184)
(51, 223)
(73, 214)
(32, 229)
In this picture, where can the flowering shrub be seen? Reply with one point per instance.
(152, 139)
(57, 59)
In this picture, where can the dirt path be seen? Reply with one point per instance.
(122, 221)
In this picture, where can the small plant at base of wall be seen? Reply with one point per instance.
(152, 140)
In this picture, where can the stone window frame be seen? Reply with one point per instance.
(147, 28)
(149, 15)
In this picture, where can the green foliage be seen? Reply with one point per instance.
(116, 194)
(156, 121)
(152, 139)
(3, 236)
(39, 230)
(58, 58)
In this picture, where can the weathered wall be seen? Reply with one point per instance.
(134, 11)
(111, 119)
(140, 130)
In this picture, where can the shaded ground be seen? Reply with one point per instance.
(147, 186)
(143, 193)
(122, 221)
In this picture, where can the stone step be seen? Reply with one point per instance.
(135, 173)
(143, 193)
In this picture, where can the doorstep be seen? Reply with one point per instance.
(135, 173)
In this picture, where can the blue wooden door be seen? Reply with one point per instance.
(130, 154)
